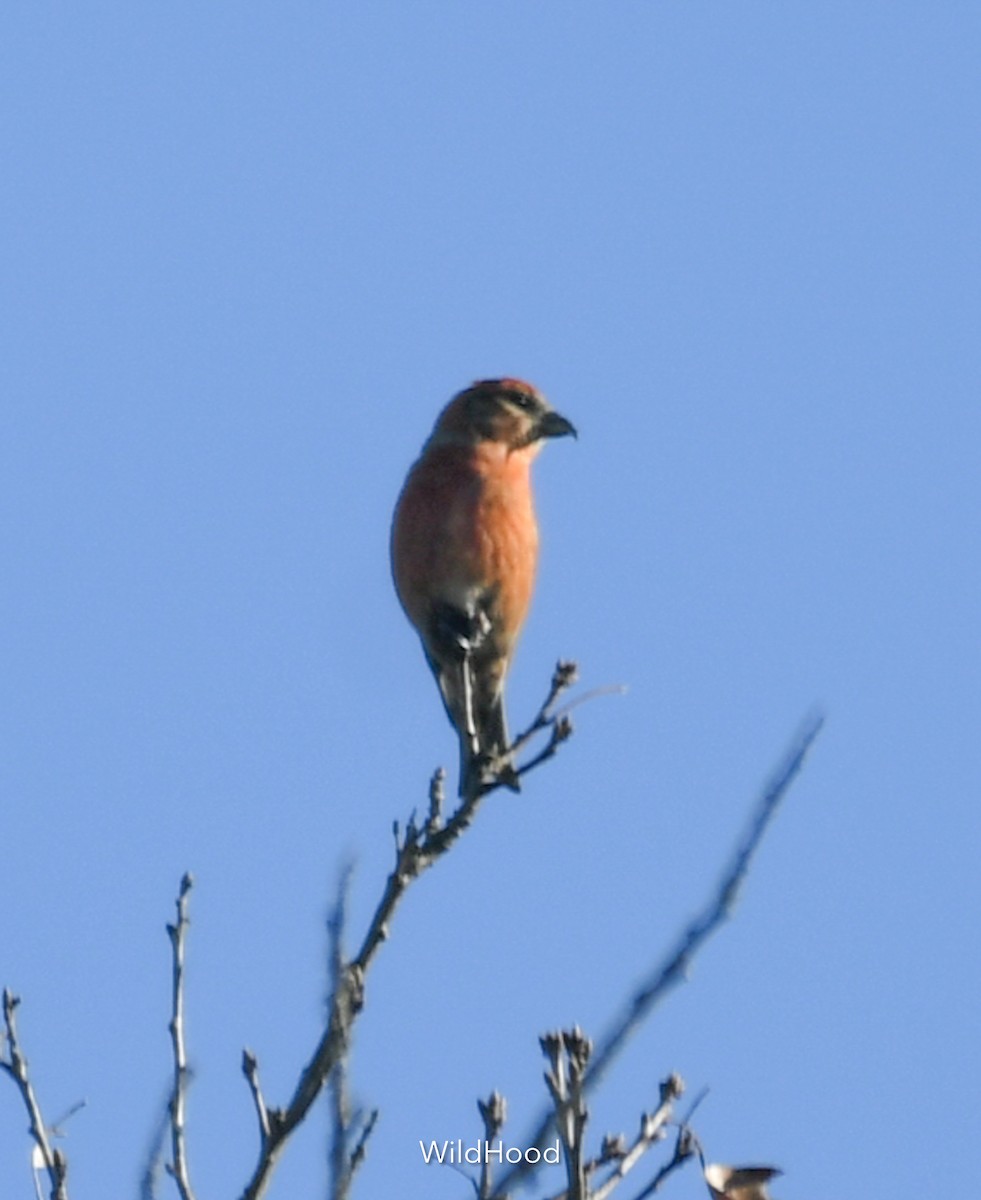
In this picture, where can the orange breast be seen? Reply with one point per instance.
(464, 523)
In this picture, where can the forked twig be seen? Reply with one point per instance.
(652, 1127)
(568, 1055)
(684, 1147)
(493, 1113)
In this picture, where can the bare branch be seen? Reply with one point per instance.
(15, 1065)
(178, 1098)
(417, 848)
(673, 967)
(277, 1124)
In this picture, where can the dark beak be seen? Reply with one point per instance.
(553, 424)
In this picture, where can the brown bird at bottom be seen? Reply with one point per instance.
(739, 1183)
(464, 551)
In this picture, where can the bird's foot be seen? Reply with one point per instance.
(498, 770)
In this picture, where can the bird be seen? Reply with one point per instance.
(738, 1183)
(464, 551)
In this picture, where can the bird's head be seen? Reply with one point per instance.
(508, 412)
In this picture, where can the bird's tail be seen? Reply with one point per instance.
(471, 682)
(483, 757)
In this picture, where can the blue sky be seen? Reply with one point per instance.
(247, 253)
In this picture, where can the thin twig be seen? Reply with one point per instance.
(178, 1098)
(250, 1069)
(57, 1127)
(15, 1065)
(673, 967)
(367, 1129)
(493, 1113)
(155, 1153)
(344, 1160)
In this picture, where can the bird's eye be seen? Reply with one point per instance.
(521, 400)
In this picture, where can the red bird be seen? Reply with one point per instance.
(464, 550)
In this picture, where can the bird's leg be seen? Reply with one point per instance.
(479, 627)
(461, 633)
(466, 673)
